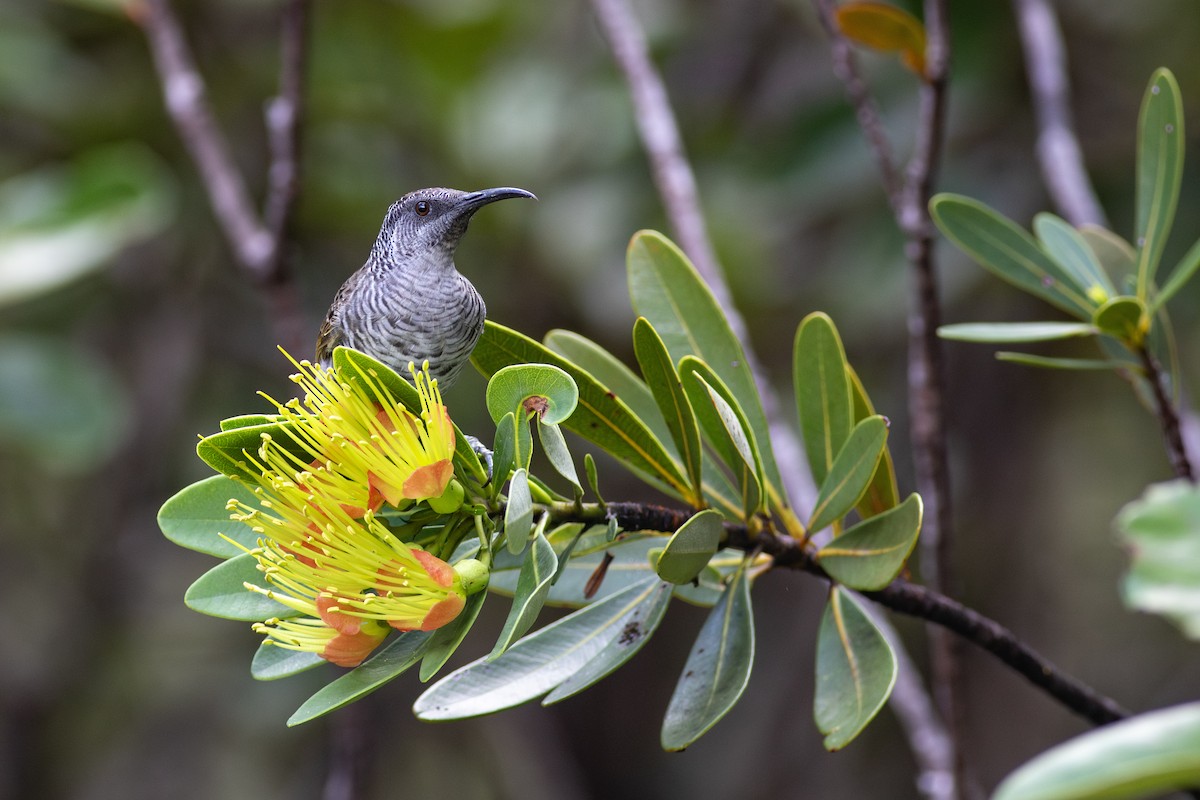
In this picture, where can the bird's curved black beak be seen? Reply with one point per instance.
(476, 200)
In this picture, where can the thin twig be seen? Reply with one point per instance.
(900, 595)
(1059, 154)
(926, 376)
(676, 184)
(926, 382)
(1168, 416)
(186, 100)
(865, 109)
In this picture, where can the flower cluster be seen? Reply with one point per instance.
(349, 447)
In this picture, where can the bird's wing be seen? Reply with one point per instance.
(331, 334)
(329, 337)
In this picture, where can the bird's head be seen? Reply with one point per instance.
(429, 223)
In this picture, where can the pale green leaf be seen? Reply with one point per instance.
(271, 662)
(537, 663)
(1008, 251)
(1159, 173)
(637, 626)
(1030, 360)
(524, 389)
(1011, 332)
(557, 453)
(518, 515)
(533, 584)
(1147, 756)
(725, 429)
(1162, 533)
(1068, 247)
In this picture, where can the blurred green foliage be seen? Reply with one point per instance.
(109, 687)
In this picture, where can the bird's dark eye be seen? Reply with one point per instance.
(422, 207)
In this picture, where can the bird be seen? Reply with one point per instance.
(409, 303)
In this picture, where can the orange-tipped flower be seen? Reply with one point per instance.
(322, 550)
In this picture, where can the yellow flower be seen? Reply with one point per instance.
(365, 572)
(355, 429)
(322, 551)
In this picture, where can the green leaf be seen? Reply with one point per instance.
(62, 409)
(1150, 755)
(391, 661)
(856, 670)
(537, 663)
(725, 428)
(630, 565)
(717, 669)
(637, 626)
(221, 592)
(524, 389)
(669, 293)
(871, 554)
(1116, 256)
(533, 584)
(882, 493)
(245, 420)
(384, 383)
(851, 473)
(1162, 533)
(226, 452)
(555, 448)
(1005, 249)
(1030, 360)
(446, 639)
(593, 478)
(1159, 173)
(271, 662)
(518, 515)
(667, 389)
(1068, 247)
(1009, 332)
(617, 378)
(601, 417)
(691, 547)
(822, 392)
(504, 450)
(623, 383)
(196, 516)
(62, 222)
(1124, 318)
(1180, 275)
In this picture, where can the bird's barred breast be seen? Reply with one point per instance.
(438, 324)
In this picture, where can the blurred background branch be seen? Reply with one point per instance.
(258, 242)
(1058, 151)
